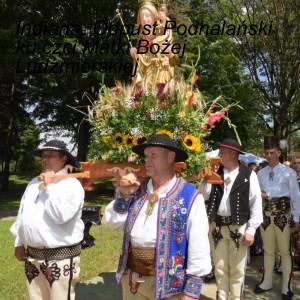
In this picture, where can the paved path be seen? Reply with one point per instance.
(8, 214)
(104, 287)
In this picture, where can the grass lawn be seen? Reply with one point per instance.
(102, 257)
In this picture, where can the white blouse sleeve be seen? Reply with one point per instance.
(199, 257)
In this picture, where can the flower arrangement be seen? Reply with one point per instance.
(124, 116)
(265, 199)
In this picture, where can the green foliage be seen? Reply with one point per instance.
(267, 56)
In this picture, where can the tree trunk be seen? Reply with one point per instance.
(8, 142)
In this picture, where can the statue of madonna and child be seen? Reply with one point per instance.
(127, 115)
(153, 66)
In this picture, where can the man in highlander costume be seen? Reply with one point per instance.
(234, 212)
(48, 230)
(281, 217)
(165, 249)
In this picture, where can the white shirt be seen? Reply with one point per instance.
(255, 201)
(283, 184)
(144, 234)
(225, 208)
(50, 216)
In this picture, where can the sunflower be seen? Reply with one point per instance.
(192, 143)
(128, 140)
(166, 132)
(118, 137)
(104, 139)
(139, 141)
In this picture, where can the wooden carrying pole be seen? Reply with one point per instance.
(85, 174)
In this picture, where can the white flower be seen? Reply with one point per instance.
(171, 272)
(136, 132)
(155, 114)
(128, 102)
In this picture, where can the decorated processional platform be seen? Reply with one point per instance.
(156, 102)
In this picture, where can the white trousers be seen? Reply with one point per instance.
(273, 237)
(140, 288)
(53, 279)
(229, 261)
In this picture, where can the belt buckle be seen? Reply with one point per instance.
(226, 220)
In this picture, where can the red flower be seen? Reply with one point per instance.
(162, 104)
(175, 283)
(160, 89)
(195, 79)
(137, 94)
(191, 99)
(178, 260)
(213, 118)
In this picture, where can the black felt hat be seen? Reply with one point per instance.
(55, 145)
(162, 141)
(271, 142)
(232, 144)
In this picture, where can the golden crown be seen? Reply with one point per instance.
(142, 3)
(162, 4)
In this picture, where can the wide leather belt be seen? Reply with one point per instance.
(278, 205)
(142, 260)
(222, 220)
(54, 253)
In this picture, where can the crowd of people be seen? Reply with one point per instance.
(174, 233)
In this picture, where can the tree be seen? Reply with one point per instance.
(270, 53)
(59, 98)
(12, 87)
(221, 73)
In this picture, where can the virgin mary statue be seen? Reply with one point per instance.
(153, 67)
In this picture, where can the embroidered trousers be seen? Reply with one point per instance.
(140, 288)
(230, 258)
(274, 237)
(53, 279)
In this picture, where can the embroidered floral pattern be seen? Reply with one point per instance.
(172, 221)
(31, 271)
(51, 272)
(176, 283)
(175, 263)
(193, 286)
(179, 219)
(68, 269)
(280, 221)
(216, 236)
(236, 237)
(266, 222)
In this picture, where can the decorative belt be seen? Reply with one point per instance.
(141, 260)
(221, 220)
(279, 204)
(54, 253)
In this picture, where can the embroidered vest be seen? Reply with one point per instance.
(239, 197)
(171, 244)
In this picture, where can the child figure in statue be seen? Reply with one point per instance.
(153, 66)
(166, 34)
